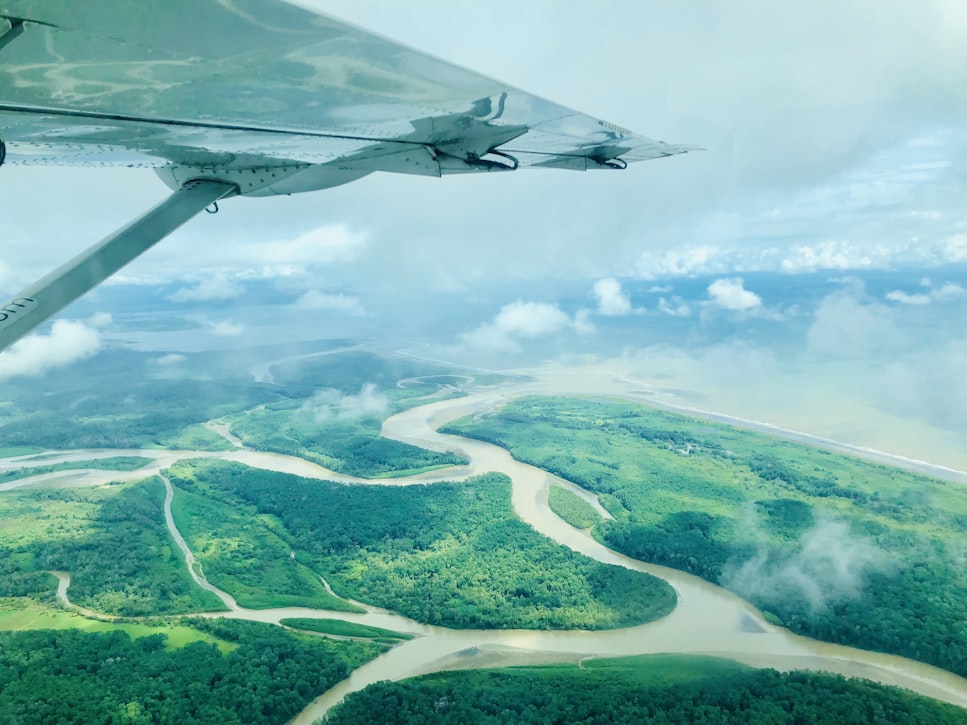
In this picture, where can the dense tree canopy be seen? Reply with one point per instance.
(832, 546)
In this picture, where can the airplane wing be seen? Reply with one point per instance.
(261, 97)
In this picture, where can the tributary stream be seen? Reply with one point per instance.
(707, 619)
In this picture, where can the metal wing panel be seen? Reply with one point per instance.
(222, 82)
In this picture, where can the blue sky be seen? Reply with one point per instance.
(835, 146)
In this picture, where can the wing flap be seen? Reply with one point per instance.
(204, 82)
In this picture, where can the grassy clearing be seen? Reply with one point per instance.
(18, 615)
(11, 452)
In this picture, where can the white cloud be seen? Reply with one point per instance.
(100, 320)
(218, 287)
(67, 342)
(325, 244)
(170, 359)
(847, 325)
(908, 299)
(318, 300)
(949, 291)
(675, 306)
(955, 248)
(828, 254)
(945, 293)
(829, 564)
(731, 294)
(227, 328)
(328, 405)
(612, 301)
(521, 320)
(680, 262)
(582, 322)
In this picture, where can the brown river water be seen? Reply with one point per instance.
(707, 619)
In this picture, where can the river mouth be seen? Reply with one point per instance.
(706, 620)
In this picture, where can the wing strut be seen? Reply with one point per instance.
(91, 267)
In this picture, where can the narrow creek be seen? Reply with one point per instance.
(707, 620)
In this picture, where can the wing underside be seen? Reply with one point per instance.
(251, 85)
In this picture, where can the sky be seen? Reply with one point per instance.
(818, 244)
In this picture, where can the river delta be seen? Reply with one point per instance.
(706, 620)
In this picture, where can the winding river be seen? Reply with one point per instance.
(707, 620)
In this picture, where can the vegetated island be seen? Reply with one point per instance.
(829, 545)
(662, 689)
(451, 554)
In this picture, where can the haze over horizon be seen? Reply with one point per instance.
(808, 267)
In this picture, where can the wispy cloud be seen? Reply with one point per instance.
(674, 306)
(217, 287)
(317, 300)
(848, 323)
(829, 564)
(227, 328)
(945, 293)
(332, 405)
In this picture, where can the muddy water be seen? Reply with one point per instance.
(707, 619)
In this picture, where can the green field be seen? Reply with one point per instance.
(19, 616)
(452, 554)
(832, 546)
(18, 451)
(661, 689)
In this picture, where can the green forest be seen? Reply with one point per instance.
(113, 541)
(452, 554)
(659, 689)
(246, 553)
(125, 399)
(350, 445)
(265, 675)
(829, 545)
